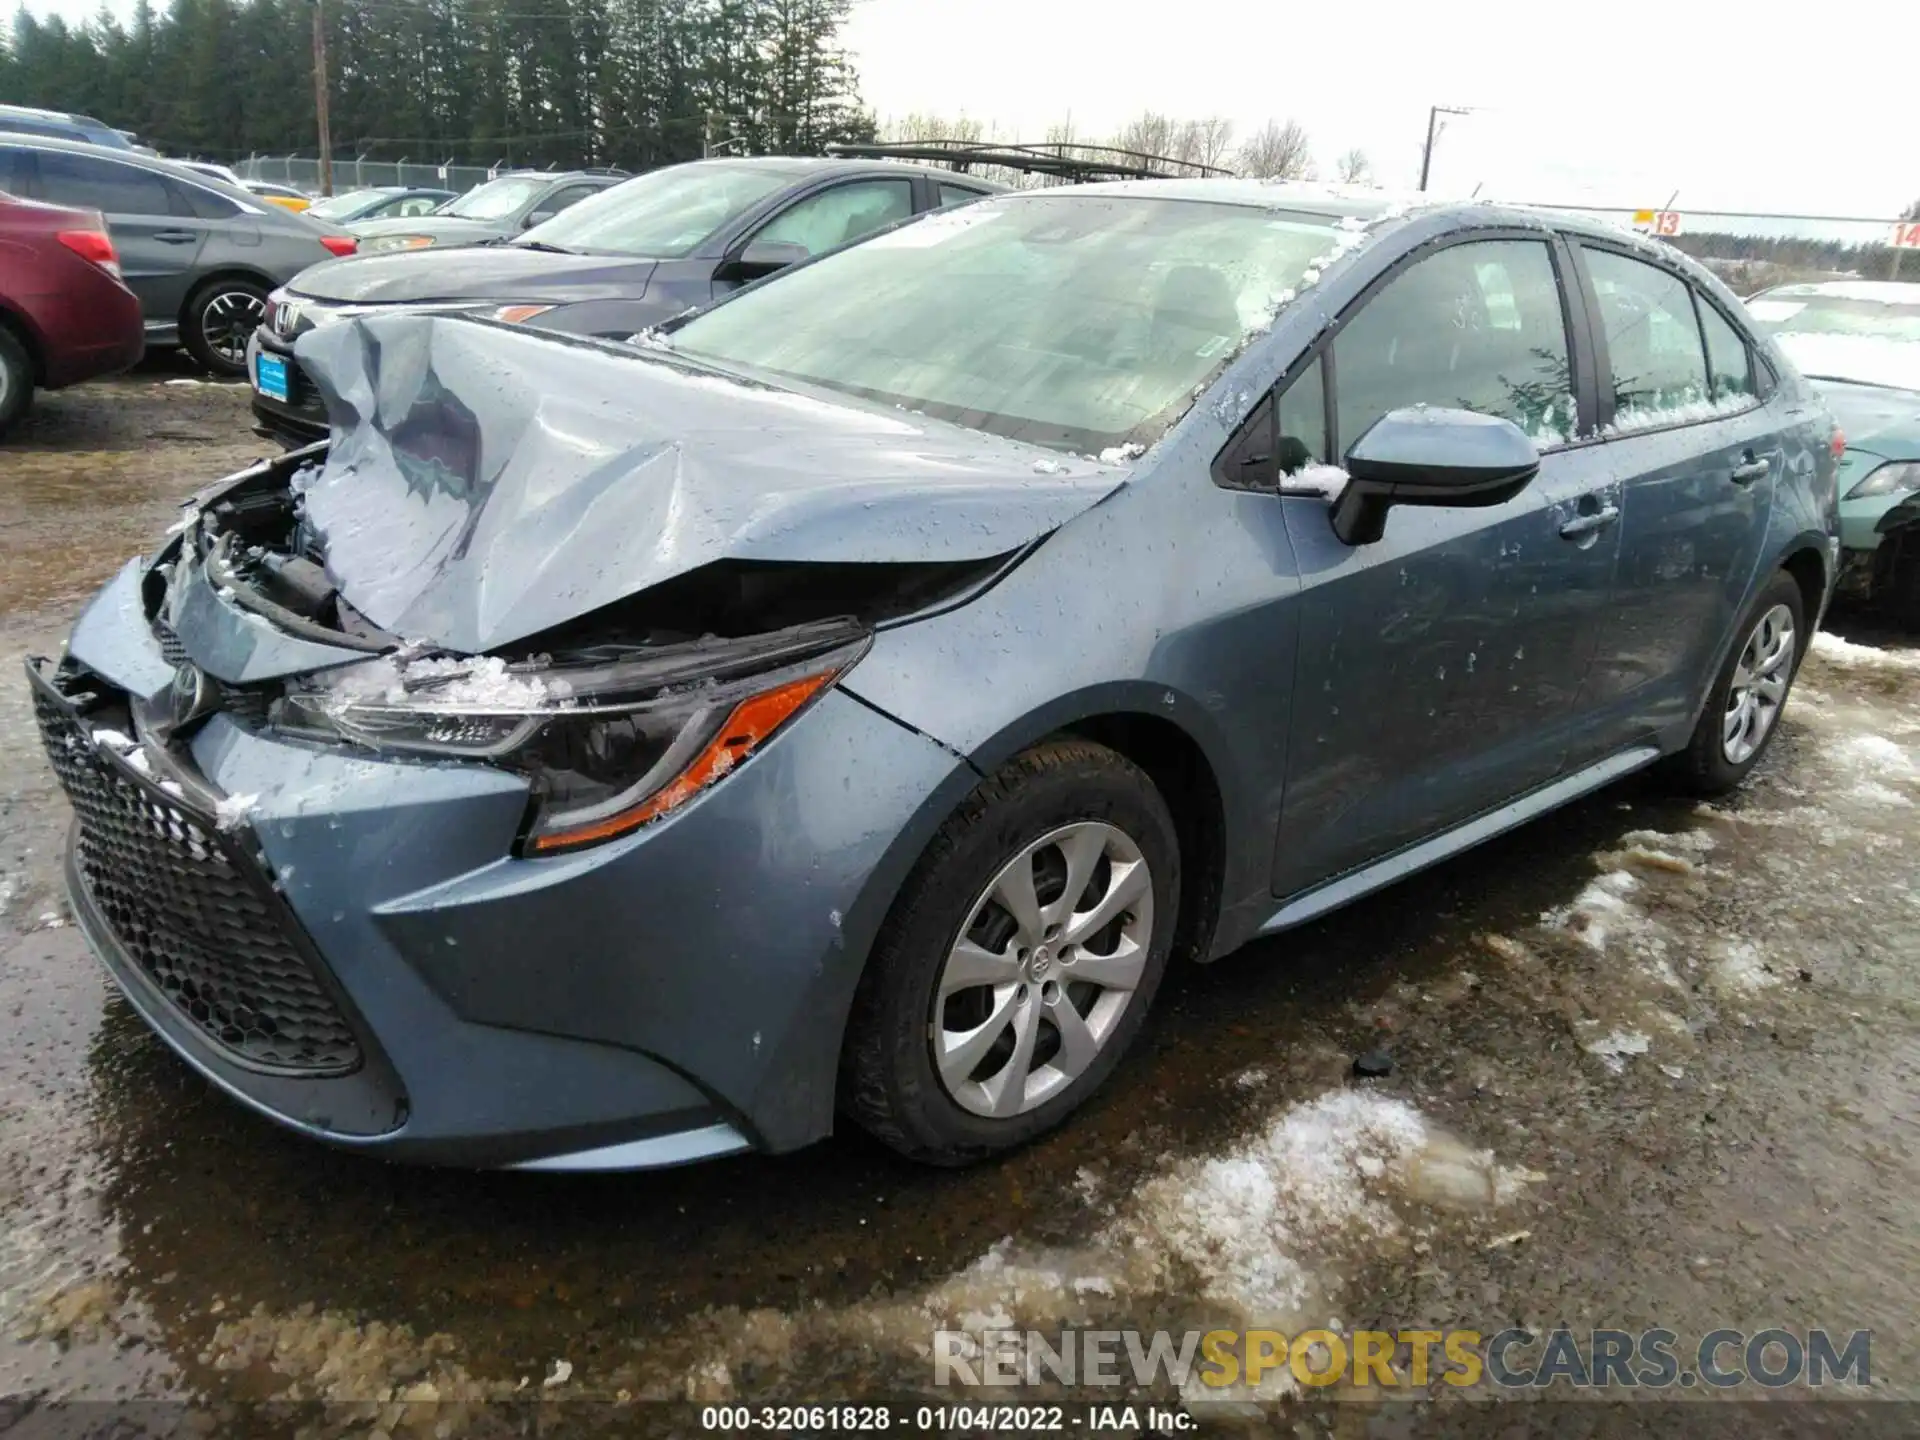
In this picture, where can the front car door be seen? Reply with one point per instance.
(1438, 667)
(1698, 453)
(156, 234)
(827, 218)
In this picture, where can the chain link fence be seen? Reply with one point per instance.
(303, 173)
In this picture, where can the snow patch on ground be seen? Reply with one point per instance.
(1845, 653)
(1617, 1046)
(1739, 966)
(1599, 912)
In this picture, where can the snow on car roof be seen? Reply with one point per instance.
(1339, 200)
(1884, 292)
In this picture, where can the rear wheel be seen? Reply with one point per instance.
(1743, 711)
(220, 318)
(1019, 960)
(16, 379)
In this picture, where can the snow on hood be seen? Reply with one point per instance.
(486, 484)
(1853, 357)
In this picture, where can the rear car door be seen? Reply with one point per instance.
(827, 218)
(158, 238)
(1439, 667)
(1699, 452)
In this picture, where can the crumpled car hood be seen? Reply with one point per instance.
(485, 484)
(474, 272)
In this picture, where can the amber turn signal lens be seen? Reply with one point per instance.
(753, 720)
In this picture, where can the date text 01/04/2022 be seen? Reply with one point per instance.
(967, 1419)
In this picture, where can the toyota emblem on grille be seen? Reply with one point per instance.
(195, 695)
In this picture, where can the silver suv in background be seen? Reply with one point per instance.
(201, 254)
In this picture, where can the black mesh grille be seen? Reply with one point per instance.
(191, 911)
(171, 650)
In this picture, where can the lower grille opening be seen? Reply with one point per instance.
(192, 909)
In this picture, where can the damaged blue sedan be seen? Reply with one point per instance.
(848, 702)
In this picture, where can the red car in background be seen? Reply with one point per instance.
(65, 316)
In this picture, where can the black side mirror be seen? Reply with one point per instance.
(763, 257)
(1426, 456)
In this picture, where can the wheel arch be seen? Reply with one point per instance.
(18, 326)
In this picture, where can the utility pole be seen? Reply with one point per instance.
(1434, 112)
(320, 98)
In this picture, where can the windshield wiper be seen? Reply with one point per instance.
(551, 249)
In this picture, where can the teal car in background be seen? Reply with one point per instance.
(1858, 341)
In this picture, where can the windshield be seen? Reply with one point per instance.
(1846, 337)
(1081, 323)
(347, 204)
(661, 215)
(497, 199)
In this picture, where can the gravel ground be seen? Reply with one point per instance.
(1653, 1064)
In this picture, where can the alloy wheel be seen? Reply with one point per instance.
(228, 320)
(1759, 689)
(1048, 960)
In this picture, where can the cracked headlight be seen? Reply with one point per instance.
(608, 744)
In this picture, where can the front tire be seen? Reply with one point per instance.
(1019, 960)
(16, 379)
(1743, 709)
(219, 319)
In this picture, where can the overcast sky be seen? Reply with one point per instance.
(1621, 104)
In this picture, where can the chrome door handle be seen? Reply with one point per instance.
(1588, 524)
(1748, 471)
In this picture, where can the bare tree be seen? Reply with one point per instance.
(1212, 140)
(915, 128)
(1149, 133)
(1277, 151)
(1354, 168)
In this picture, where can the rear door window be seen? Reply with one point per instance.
(13, 171)
(104, 185)
(1477, 326)
(1654, 346)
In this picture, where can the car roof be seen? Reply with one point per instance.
(38, 114)
(1884, 292)
(172, 169)
(800, 166)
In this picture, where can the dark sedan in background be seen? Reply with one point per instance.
(643, 252)
(65, 315)
(201, 254)
(501, 208)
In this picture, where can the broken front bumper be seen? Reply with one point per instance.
(678, 993)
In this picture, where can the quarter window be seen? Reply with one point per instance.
(1477, 326)
(1302, 421)
(841, 214)
(957, 195)
(1729, 363)
(1653, 341)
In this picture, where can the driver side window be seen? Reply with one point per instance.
(844, 213)
(1477, 326)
